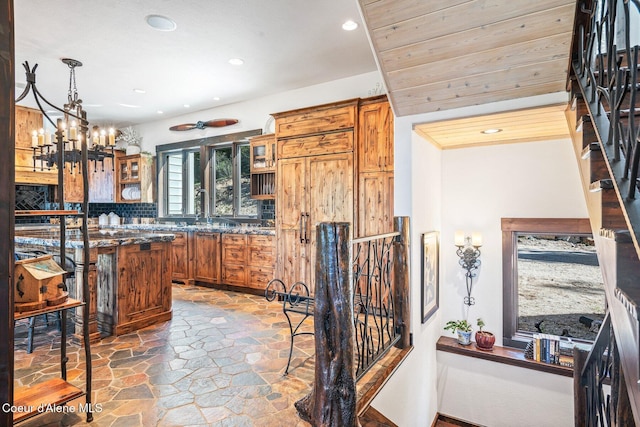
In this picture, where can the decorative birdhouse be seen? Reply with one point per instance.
(38, 282)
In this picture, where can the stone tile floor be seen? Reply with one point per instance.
(218, 362)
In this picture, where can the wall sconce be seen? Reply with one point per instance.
(469, 253)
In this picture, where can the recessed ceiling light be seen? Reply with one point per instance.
(216, 98)
(236, 61)
(160, 23)
(139, 90)
(349, 25)
(187, 105)
(129, 106)
(160, 112)
(490, 131)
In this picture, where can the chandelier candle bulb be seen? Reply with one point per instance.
(41, 137)
(96, 139)
(112, 137)
(73, 132)
(459, 238)
(34, 139)
(102, 137)
(47, 138)
(476, 239)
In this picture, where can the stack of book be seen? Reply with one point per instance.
(551, 349)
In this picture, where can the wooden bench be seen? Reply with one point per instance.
(297, 300)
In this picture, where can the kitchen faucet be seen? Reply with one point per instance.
(207, 214)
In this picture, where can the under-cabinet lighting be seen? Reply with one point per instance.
(490, 131)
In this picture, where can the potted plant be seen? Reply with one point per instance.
(461, 328)
(129, 140)
(484, 339)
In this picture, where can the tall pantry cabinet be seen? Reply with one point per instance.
(320, 150)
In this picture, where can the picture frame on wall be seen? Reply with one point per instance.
(430, 292)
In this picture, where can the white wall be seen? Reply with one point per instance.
(471, 189)
(255, 113)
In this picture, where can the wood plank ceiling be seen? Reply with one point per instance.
(526, 125)
(443, 54)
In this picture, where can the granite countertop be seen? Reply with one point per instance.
(97, 237)
(266, 231)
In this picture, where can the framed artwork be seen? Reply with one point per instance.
(430, 287)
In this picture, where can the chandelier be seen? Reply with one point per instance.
(72, 131)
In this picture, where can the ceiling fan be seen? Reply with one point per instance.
(215, 123)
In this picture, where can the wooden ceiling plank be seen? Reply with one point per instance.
(517, 117)
(515, 30)
(386, 12)
(537, 128)
(418, 104)
(517, 77)
(482, 62)
(455, 19)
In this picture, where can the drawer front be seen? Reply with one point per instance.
(234, 275)
(234, 254)
(234, 239)
(260, 240)
(332, 143)
(316, 121)
(259, 277)
(262, 256)
(181, 237)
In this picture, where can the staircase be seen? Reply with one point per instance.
(604, 118)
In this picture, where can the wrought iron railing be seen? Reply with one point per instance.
(607, 69)
(373, 299)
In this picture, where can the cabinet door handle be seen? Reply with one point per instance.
(306, 228)
(301, 227)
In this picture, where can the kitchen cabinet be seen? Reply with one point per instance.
(375, 167)
(247, 260)
(311, 190)
(234, 259)
(134, 179)
(26, 121)
(206, 262)
(261, 260)
(102, 182)
(182, 258)
(263, 166)
(144, 286)
(334, 163)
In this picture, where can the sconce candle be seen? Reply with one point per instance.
(469, 253)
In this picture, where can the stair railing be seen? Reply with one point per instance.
(361, 310)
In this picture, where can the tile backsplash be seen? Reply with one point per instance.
(124, 210)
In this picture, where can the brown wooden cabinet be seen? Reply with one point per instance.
(315, 177)
(134, 179)
(26, 121)
(375, 168)
(247, 260)
(144, 286)
(335, 163)
(206, 258)
(261, 260)
(234, 259)
(182, 258)
(263, 166)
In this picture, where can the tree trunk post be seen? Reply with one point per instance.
(332, 401)
(402, 281)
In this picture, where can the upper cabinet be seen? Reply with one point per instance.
(134, 179)
(375, 133)
(263, 166)
(27, 120)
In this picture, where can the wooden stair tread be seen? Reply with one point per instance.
(373, 418)
(50, 392)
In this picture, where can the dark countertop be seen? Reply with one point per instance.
(265, 231)
(50, 236)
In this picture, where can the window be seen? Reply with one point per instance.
(211, 174)
(552, 280)
(182, 182)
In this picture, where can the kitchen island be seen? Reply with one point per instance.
(129, 276)
(234, 257)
